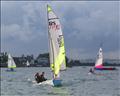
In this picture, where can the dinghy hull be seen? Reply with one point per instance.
(105, 68)
(57, 82)
(10, 71)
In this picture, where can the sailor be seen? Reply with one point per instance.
(91, 70)
(37, 77)
(40, 78)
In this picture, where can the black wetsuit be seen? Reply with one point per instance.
(39, 78)
(42, 78)
(91, 71)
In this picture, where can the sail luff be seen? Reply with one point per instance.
(51, 52)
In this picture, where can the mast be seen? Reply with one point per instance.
(50, 44)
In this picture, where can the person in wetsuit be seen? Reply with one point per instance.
(40, 78)
(43, 77)
(37, 77)
(91, 70)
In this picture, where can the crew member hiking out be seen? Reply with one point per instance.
(40, 78)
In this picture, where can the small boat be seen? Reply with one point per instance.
(99, 62)
(27, 63)
(56, 46)
(11, 63)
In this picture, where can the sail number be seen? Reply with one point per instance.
(53, 25)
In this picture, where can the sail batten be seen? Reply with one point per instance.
(56, 43)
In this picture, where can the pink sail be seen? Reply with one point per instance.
(99, 66)
(99, 60)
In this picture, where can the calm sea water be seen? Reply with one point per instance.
(76, 82)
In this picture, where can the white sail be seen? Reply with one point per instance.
(99, 60)
(56, 43)
(27, 63)
(11, 63)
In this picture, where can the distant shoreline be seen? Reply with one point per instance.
(43, 61)
(81, 64)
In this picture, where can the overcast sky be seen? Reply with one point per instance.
(85, 26)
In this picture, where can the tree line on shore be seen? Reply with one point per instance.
(42, 60)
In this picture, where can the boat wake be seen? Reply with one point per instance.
(47, 82)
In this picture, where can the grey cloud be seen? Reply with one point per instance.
(85, 25)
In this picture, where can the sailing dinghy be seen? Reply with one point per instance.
(11, 63)
(99, 62)
(27, 63)
(56, 46)
(56, 49)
